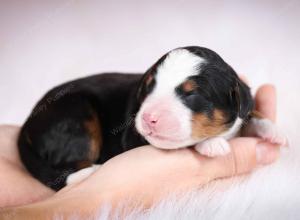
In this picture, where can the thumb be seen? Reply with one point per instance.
(246, 154)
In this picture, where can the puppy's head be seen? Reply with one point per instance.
(188, 95)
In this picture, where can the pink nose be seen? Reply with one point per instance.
(150, 119)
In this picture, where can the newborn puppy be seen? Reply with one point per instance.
(189, 97)
(192, 97)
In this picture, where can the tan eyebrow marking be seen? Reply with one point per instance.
(94, 131)
(189, 86)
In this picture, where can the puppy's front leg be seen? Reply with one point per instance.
(81, 174)
(265, 129)
(212, 147)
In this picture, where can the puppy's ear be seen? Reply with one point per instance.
(145, 86)
(147, 82)
(243, 99)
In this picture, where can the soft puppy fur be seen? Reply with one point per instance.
(189, 97)
(192, 95)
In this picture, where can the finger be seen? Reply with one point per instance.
(265, 100)
(246, 154)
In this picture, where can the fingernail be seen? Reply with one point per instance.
(265, 154)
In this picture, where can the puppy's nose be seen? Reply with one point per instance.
(150, 119)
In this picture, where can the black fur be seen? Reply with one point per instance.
(54, 142)
(218, 87)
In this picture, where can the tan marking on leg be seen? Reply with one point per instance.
(94, 131)
(83, 164)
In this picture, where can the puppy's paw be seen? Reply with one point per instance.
(213, 147)
(267, 130)
(81, 174)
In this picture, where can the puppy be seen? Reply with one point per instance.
(189, 97)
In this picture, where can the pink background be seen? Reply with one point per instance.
(44, 43)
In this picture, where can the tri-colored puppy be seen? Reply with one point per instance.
(189, 97)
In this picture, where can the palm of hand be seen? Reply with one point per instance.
(152, 167)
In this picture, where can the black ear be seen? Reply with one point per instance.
(140, 89)
(243, 99)
(148, 80)
(146, 85)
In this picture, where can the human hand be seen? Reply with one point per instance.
(147, 174)
(17, 186)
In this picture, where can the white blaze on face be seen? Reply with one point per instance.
(163, 119)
